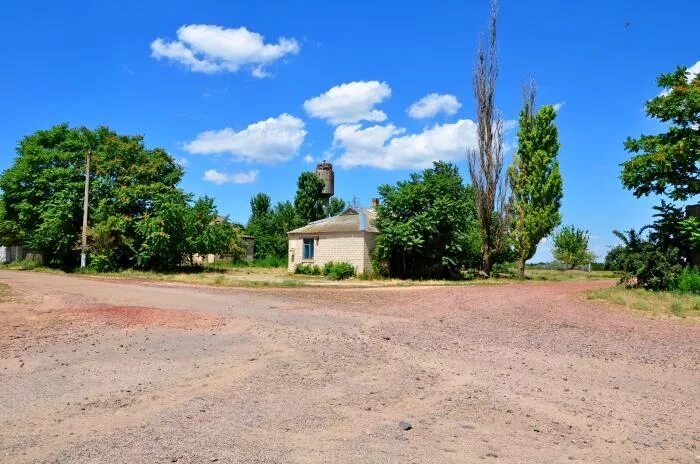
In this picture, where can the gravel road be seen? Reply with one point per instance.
(111, 371)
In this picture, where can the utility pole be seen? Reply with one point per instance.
(83, 249)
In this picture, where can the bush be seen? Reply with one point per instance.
(334, 271)
(338, 271)
(307, 269)
(645, 263)
(101, 263)
(689, 281)
(270, 261)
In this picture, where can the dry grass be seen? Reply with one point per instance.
(279, 277)
(4, 293)
(657, 303)
(554, 275)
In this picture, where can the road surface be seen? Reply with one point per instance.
(95, 371)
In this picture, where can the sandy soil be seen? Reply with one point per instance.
(122, 372)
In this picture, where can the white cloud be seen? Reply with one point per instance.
(431, 105)
(558, 106)
(350, 103)
(270, 141)
(182, 162)
(308, 159)
(386, 147)
(220, 178)
(211, 49)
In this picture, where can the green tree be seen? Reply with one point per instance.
(336, 206)
(260, 206)
(571, 247)
(428, 227)
(537, 186)
(138, 216)
(43, 190)
(644, 262)
(269, 226)
(668, 163)
(308, 200)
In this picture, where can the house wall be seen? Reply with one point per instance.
(11, 253)
(353, 248)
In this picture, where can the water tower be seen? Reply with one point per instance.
(324, 171)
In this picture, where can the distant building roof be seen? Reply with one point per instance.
(350, 220)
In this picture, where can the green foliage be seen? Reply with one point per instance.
(269, 226)
(690, 229)
(338, 271)
(332, 270)
(336, 206)
(308, 201)
(668, 163)
(137, 217)
(645, 263)
(672, 229)
(571, 247)
(537, 186)
(428, 226)
(689, 281)
(308, 269)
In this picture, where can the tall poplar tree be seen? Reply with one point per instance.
(536, 183)
(486, 160)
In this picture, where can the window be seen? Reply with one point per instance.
(308, 248)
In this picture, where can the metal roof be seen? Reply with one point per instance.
(350, 220)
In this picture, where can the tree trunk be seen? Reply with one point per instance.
(521, 269)
(486, 261)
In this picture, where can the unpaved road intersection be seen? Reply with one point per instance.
(121, 372)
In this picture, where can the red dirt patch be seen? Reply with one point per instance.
(137, 316)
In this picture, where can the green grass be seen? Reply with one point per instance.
(269, 262)
(659, 303)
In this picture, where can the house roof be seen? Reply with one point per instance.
(350, 220)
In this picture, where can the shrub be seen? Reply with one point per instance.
(645, 263)
(101, 263)
(338, 271)
(308, 269)
(689, 281)
(270, 261)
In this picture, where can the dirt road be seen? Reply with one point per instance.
(124, 372)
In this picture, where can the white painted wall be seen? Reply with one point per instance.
(353, 248)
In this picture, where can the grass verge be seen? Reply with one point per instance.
(253, 276)
(657, 303)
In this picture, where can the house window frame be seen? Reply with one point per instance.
(307, 244)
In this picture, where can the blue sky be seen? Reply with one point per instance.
(251, 91)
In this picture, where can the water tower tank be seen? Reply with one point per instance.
(324, 171)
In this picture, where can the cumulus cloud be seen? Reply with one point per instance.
(211, 49)
(388, 147)
(220, 178)
(350, 102)
(270, 141)
(308, 159)
(558, 106)
(430, 105)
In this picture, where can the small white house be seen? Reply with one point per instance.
(348, 237)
